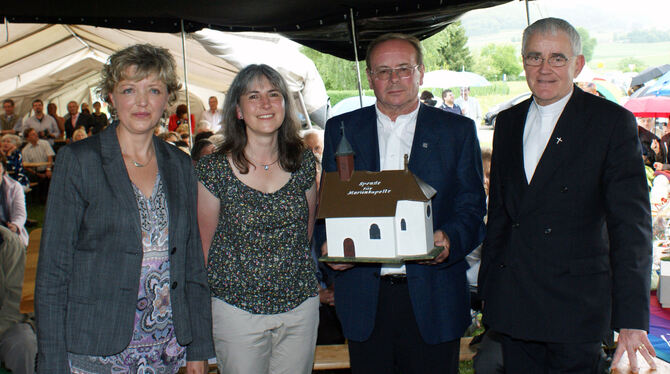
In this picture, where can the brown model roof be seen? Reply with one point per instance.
(370, 194)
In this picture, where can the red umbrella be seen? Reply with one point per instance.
(649, 106)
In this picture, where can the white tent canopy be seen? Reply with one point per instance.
(60, 63)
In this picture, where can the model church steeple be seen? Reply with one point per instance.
(344, 156)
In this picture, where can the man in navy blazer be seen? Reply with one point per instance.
(412, 317)
(567, 255)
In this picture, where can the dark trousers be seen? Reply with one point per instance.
(531, 357)
(396, 346)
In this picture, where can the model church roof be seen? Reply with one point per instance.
(370, 194)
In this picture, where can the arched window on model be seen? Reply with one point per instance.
(403, 225)
(374, 232)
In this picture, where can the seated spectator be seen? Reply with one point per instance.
(79, 134)
(10, 148)
(38, 157)
(179, 118)
(44, 125)
(170, 137)
(10, 122)
(12, 204)
(202, 135)
(185, 137)
(18, 342)
(99, 118)
(201, 148)
(448, 102)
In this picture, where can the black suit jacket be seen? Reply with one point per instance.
(86, 120)
(568, 256)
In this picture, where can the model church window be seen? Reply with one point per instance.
(403, 225)
(374, 232)
(428, 211)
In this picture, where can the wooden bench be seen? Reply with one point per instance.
(32, 254)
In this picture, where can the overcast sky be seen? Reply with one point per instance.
(595, 15)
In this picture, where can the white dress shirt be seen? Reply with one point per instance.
(215, 119)
(395, 141)
(540, 124)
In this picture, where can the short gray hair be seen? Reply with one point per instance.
(552, 26)
(15, 139)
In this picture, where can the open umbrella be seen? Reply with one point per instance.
(649, 74)
(649, 106)
(661, 87)
(448, 78)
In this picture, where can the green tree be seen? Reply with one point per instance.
(497, 61)
(588, 43)
(631, 64)
(337, 73)
(447, 49)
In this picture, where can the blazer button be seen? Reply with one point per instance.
(547, 231)
(502, 266)
(564, 189)
(516, 225)
(173, 251)
(174, 285)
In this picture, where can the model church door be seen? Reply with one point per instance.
(349, 249)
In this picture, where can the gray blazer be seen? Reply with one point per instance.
(91, 253)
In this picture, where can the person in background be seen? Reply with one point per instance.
(653, 149)
(38, 157)
(213, 115)
(256, 208)
(75, 120)
(10, 122)
(99, 118)
(44, 125)
(469, 105)
(428, 98)
(180, 118)
(18, 343)
(121, 283)
(10, 148)
(448, 102)
(52, 110)
(567, 255)
(85, 108)
(202, 147)
(79, 134)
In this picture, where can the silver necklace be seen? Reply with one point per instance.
(137, 164)
(266, 167)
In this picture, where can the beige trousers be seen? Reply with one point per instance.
(265, 343)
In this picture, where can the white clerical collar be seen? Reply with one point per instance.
(553, 108)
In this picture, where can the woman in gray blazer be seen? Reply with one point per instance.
(121, 284)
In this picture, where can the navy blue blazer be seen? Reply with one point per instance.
(445, 154)
(91, 255)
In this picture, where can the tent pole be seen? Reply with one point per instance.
(358, 69)
(527, 15)
(188, 101)
(304, 109)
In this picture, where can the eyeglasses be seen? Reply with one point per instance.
(385, 74)
(556, 61)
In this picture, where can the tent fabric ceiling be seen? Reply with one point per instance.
(320, 25)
